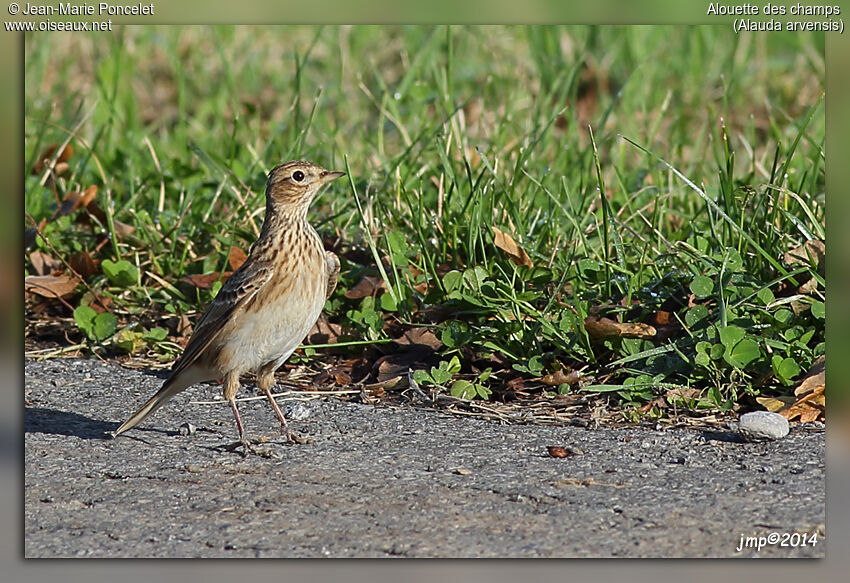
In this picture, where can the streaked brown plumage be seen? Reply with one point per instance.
(267, 306)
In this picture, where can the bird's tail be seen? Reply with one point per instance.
(171, 387)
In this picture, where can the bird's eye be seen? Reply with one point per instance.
(297, 176)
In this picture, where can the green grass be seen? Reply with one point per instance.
(642, 169)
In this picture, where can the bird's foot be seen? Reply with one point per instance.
(293, 437)
(248, 446)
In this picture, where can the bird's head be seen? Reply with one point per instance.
(293, 185)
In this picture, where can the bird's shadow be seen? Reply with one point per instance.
(726, 436)
(55, 422)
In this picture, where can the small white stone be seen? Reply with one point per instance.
(299, 412)
(763, 425)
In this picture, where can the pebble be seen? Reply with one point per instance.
(299, 412)
(760, 425)
(187, 429)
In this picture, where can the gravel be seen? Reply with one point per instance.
(392, 482)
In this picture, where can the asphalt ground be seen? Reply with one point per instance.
(380, 481)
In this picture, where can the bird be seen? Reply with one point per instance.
(267, 306)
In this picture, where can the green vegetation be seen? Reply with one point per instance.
(621, 210)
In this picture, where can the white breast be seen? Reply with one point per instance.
(275, 324)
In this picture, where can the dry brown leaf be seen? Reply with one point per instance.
(74, 200)
(559, 377)
(472, 110)
(813, 247)
(398, 364)
(420, 336)
(815, 378)
(810, 415)
(684, 394)
(600, 328)
(51, 286)
(812, 251)
(98, 303)
(810, 404)
(47, 156)
(808, 409)
(367, 286)
(82, 263)
(338, 375)
(236, 257)
(123, 230)
(659, 402)
(662, 317)
(206, 280)
(774, 404)
(44, 263)
(324, 332)
(507, 244)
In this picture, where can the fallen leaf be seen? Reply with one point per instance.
(367, 286)
(600, 328)
(683, 394)
(810, 394)
(373, 395)
(398, 364)
(810, 415)
(774, 404)
(813, 247)
(517, 384)
(338, 375)
(44, 263)
(559, 377)
(51, 286)
(394, 384)
(99, 304)
(507, 244)
(82, 263)
(659, 402)
(123, 230)
(205, 281)
(812, 251)
(472, 110)
(236, 257)
(74, 200)
(419, 335)
(342, 378)
(46, 157)
(815, 378)
(556, 451)
(662, 318)
(324, 332)
(808, 409)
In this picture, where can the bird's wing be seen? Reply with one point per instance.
(239, 289)
(332, 262)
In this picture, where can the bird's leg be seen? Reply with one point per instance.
(265, 381)
(231, 386)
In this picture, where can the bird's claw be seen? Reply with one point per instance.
(293, 437)
(248, 447)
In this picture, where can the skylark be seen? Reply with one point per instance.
(267, 307)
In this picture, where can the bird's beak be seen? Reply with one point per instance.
(331, 176)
